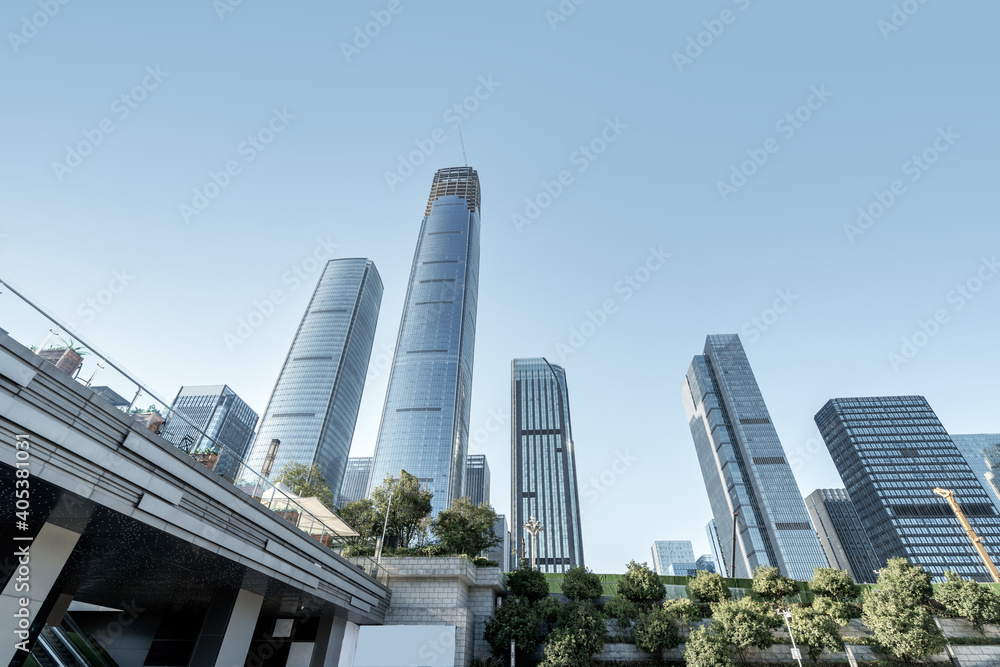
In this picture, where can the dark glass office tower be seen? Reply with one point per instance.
(425, 421)
(314, 405)
(219, 414)
(841, 534)
(355, 484)
(543, 466)
(744, 465)
(891, 453)
(981, 452)
(477, 479)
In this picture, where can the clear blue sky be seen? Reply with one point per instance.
(678, 129)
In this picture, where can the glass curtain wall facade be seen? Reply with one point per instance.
(501, 553)
(221, 415)
(718, 554)
(982, 453)
(891, 453)
(314, 406)
(355, 484)
(841, 534)
(744, 464)
(673, 552)
(477, 479)
(706, 563)
(543, 466)
(425, 421)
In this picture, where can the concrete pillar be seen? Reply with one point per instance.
(349, 645)
(329, 641)
(225, 635)
(37, 572)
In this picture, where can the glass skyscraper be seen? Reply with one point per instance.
(706, 562)
(841, 534)
(673, 557)
(477, 479)
(314, 405)
(744, 465)
(982, 453)
(717, 552)
(543, 466)
(892, 452)
(221, 415)
(425, 421)
(355, 484)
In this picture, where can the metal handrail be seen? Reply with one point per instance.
(246, 477)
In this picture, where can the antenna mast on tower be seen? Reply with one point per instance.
(462, 139)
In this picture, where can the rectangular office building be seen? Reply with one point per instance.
(841, 534)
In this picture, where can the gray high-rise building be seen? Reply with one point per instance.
(355, 484)
(841, 534)
(477, 479)
(673, 557)
(744, 464)
(217, 412)
(719, 555)
(891, 452)
(501, 553)
(543, 466)
(982, 453)
(425, 421)
(314, 406)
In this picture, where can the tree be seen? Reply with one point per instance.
(465, 528)
(566, 648)
(305, 481)
(585, 618)
(624, 612)
(579, 583)
(362, 517)
(708, 587)
(514, 619)
(683, 610)
(409, 510)
(528, 583)
(967, 599)
(829, 582)
(894, 612)
(657, 630)
(642, 586)
(707, 647)
(771, 585)
(747, 624)
(816, 630)
(840, 612)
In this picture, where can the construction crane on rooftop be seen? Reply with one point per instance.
(977, 541)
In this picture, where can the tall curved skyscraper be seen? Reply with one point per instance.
(314, 405)
(425, 421)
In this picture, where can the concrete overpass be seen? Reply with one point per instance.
(168, 562)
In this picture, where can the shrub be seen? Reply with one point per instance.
(816, 630)
(584, 617)
(708, 587)
(829, 582)
(707, 647)
(641, 585)
(747, 624)
(514, 619)
(566, 648)
(771, 585)
(579, 583)
(683, 610)
(528, 583)
(840, 612)
(967, 599)
(624, 612)
(657, 630)
(895, 614)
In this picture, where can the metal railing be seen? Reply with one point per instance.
(28, 323)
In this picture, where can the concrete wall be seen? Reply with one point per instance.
(445, 591)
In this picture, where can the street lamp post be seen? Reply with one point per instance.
(385, 524)
(796, 653)
(534, 527)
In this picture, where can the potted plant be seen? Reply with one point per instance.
(68, 358)
(208, 457)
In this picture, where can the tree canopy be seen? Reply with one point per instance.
(409, 511)
(305, 481)
(816, 630)
(967, 599)
(641, 585)
(363, 518)
(894, 611)
(707, 646)
(708, 587)
(746, 623)
(579, 583)
(465, 528)
(514, 619)
(829, 582)
(528, 583)
(771, 585)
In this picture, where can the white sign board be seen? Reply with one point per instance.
(405, 646)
